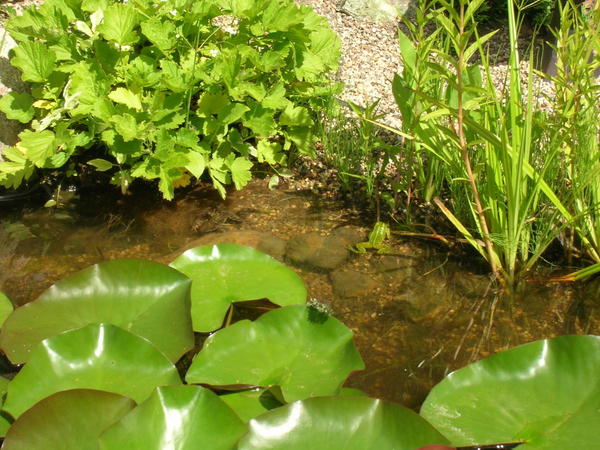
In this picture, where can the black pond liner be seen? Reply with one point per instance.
(23, 193)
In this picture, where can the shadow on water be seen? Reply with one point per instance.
(417, 313)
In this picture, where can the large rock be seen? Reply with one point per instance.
(10, 80)
(323, 252)
(383, 10)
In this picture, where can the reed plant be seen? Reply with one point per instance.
(576, 107)
(492, 143)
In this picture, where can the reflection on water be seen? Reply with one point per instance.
(418, 312)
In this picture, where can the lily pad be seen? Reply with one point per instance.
(6, 307)
(176, 417)
(101, 357)
(546, 393)
(340, 423)
(252, 403)
(226, 273)
(143, 297)
(4, 423)
(69, 419)
(305, 352)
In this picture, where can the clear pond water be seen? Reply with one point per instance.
(418, 312)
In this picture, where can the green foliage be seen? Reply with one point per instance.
(544, 393)
(237, 274)
(262, 353)
(166, 91)
(71, 304)
(100, 386)
(493, 145)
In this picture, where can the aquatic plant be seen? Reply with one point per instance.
(494, 146)
(165, 91)
(105, 380)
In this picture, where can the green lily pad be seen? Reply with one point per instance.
(143, 297)
(101, 357)
(298, 348)
(6, 307)
(176, 417)
(226, 273)
(4, 423)
(340, 423)
(546, 393)
(252, 403)
(69, 419)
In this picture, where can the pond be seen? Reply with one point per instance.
(418, 312)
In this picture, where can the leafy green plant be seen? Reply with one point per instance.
(166, 91)
(544, 393)
(576, 99)
(491, 146)
(97, 385)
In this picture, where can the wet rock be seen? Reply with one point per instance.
(10, 80)
(262, 241)
(350, 283)
(426, 298)
(323, 252)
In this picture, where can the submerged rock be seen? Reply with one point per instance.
(323, 252)
(351, 283)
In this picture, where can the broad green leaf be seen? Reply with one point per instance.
(143, 297)
(260, 120)
(232, 113)
(128, 127)
(311, 67)
(70, 419)
(94, 5)
(17, 106)
(35, 61)
(226, 273)
(177, 417)
(334, 423)
(210, 104)
(6, 307)
(173, 77)
(126, 97)
(100, 164)
(98, 356)
(196, 163)
(249, 404)
(546, 393)
(295, 116)
(269, 152)
(305, 352)
(276, 99)
(38, 145)
(302, 137)
(119, 22)
(327, 46)
(240, 172)
(160, 33)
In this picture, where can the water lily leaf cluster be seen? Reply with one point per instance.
(166, 90)
(107, 353)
